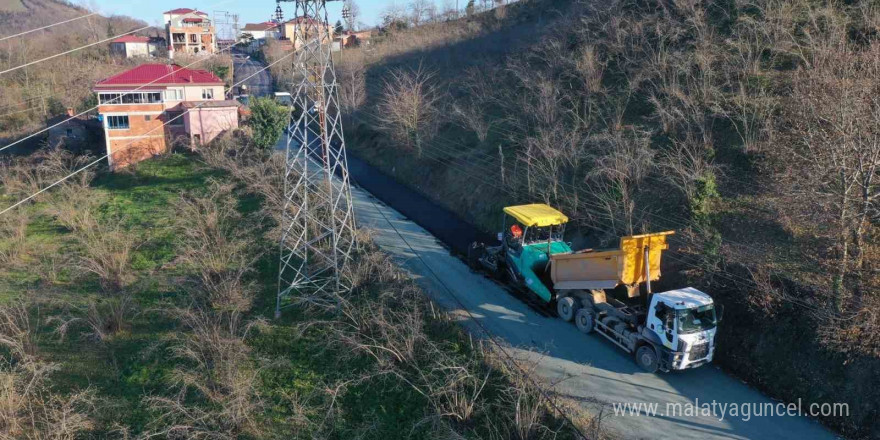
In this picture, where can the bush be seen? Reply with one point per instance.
(268, 120)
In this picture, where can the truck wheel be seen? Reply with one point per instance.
(585, 321)
(566, 308)
(646, 357)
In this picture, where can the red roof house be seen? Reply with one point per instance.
(181, 11)
(160, 75)
(146, 109)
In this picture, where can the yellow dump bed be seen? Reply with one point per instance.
(607, 269)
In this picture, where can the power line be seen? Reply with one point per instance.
(47, 27)
(111, 101)
(488, 160)
(481, 178)
(73, 50)
(98, 160)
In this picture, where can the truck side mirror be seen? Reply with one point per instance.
(720, 313)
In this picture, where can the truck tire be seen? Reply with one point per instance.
(585, 320)
(647, 358)
(566, 308)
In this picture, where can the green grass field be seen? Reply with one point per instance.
(138, 361)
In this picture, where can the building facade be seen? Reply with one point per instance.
(145, 110)
(131, 46)
(262, 31)
(189, 31)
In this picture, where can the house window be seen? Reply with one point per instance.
(175, 119)
(147, 117)
(130, 98)
(69, 132)
(117, 122)
(174, 95)
(193, 38)
(108, 98)
(207, 93)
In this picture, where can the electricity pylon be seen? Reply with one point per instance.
(318, 221)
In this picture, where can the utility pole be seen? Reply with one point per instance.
(347, 16)
(226, 26)
(318, 221)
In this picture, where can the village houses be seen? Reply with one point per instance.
(135, 104)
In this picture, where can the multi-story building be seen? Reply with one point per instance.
(147, 109)
(189, 31)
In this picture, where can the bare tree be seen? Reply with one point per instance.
(218, 368)
(619, 175)
(837, 147)
(354, 11)
(29, 407)
(352, 86)
(410, 108)
(217, 249)
(420, 11)
(472, 109)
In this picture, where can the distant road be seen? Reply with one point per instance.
(245, 66)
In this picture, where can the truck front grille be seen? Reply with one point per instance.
(699, 351)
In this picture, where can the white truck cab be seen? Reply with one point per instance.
(684, 321)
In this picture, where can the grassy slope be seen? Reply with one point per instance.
(135, 363)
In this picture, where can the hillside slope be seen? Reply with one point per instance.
(698, 117)
(32, 94)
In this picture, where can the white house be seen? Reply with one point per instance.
(131, 46)
(261, 31)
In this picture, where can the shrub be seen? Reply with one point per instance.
(268, 119)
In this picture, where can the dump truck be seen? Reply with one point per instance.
(600, 290)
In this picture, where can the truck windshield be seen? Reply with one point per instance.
(696, 319)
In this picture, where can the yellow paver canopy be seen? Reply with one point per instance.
(537, 214)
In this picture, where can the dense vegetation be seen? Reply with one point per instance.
(748, 127)
(134, 303)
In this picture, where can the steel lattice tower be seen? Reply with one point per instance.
(318, 221)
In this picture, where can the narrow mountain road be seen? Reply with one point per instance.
(585, 368)
(246, 67)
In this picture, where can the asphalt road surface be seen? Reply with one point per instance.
(259, 84)
(585, 368)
